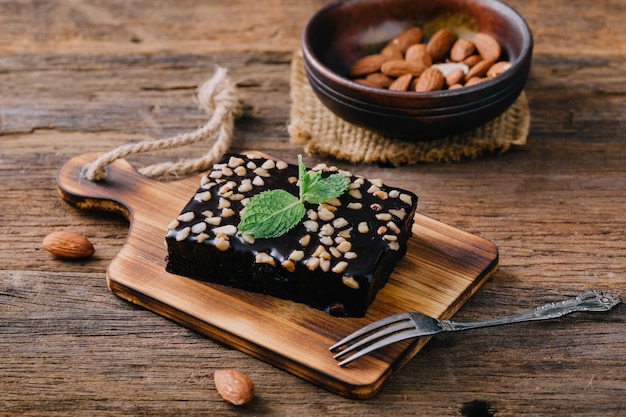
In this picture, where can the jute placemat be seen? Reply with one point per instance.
(319, 131)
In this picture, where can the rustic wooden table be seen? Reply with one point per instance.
(83, 76)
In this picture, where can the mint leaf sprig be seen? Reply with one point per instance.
(273, 213)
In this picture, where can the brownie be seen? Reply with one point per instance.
(336, 259)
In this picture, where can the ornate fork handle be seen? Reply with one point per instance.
(592, 300)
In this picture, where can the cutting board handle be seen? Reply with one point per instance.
(123, 190)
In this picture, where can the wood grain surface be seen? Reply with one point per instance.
(85, 76)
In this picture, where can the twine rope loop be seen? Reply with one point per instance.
(218, 97)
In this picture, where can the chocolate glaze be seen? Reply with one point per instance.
(372, 255)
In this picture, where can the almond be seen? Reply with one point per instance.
(487, 46)
(68, 245)
(440, 43)
(498, 68)
(430, 80)
(474, 80)
(234, 386)
(461, 49)
(418, 53)
(399, 67)
(379, 79)
(392, 51)
(401, 83)
(472, 60)
(407, 38)
(455, 76)
(367, 65)
(479, 70)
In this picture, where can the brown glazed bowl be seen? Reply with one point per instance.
(343, 31)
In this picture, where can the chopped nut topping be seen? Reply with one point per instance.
(183, 233)
(376, 207)
(248, 238)
(292, 180)
(399, 213)
(350, 255)
(311, 226)
(228, 212)
(312, 263)
(355, 206)
(268, 164)
(251, 165)
(235, 161)
(406, 198)
(305, 240)
(381, 194)
(340, 267)
(241, 171)
(173, 224)
(350, 282)
(394, 245)
(318, 251)
(187, 217)
(201, 237)
(264, 258)
(335, 252)
(198, 228)
(281, 164)
(325, 214)
(312, 214)
(324, 265)
(381, 230)
(393, 227)
(340, 223)
(262, 172)
(246, 185)
(391, 238)
(326, 240)
(204, 196)
(363, 227)
(296, 255)
(355, 193)
(384, 216)
(394, 193)
(258, 181)
(228, 230)
(289, 265)
(224, 203)
(344, 246)
(213, 221)
(327, 230)
(346, 233)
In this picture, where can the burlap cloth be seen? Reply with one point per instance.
(319, 131)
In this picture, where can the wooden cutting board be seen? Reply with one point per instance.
(443, 267)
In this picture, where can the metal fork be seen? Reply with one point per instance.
(404, 326)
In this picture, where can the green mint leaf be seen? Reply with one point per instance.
(326, 189)
(314, 189)
(271, 214)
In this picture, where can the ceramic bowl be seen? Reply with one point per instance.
(343, 31)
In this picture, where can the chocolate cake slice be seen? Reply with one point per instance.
(335, 259)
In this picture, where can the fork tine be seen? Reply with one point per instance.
(402, 325)
(396, 337)
(369, 328)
